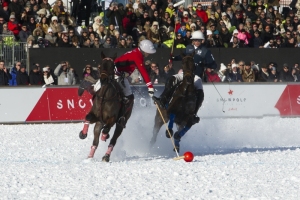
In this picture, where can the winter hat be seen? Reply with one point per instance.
(216, 32)
(170, 4)
(22, 66)
(12, 16)
(45, 69)
(193, 25)
(248, 20)
(155, 23)
(50, 30)
(235, 31)
(208, 32)
(40, 38)
(275, 8)
(223, 14)
(223, 67)
(273, 68)
(185, 13)
(4, 4)
(234, 65)
(42, 12)
(54, 18)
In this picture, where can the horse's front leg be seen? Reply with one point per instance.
(113, 141)
(97, 129)
(169, 131)
(89, 119)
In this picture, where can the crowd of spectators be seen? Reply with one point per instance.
(225, 23)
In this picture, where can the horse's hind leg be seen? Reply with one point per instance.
(113, 141)
(90, 118)
(97, 129)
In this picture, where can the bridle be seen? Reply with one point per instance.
(104, 72)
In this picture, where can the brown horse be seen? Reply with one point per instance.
(107, 105)
(181, 107)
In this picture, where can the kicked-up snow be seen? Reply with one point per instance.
(234, 159)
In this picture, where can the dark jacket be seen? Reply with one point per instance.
(286, 76)
(4, 77)
(35, 78)
(115, 18)
(235, 77)
(272, 77)
(22, 78)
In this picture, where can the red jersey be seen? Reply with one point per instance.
(131, 60)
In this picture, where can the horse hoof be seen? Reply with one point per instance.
(82, 136)
(104, 137)
(167, 133)
(105, 158)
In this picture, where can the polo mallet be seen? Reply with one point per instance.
(162, 117)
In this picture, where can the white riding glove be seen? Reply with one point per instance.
(97, 85)
(151, 92)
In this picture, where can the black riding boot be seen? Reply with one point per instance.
(167, 93)
(200, 98)
(127, 104)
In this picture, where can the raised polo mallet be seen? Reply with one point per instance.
(187, 156)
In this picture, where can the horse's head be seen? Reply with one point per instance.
(188, 67)
(107, 68)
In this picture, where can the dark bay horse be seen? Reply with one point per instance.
(107, 105)
(181, 107)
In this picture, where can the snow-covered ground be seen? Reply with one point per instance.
(234, 159)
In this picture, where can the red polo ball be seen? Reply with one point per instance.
(188, 156)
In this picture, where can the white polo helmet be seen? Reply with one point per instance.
(197, 35)
(147, 46)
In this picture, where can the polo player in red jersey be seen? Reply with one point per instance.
(124, 67)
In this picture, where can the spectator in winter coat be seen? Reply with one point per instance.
(22, 76)
(234, 75)
(285, 74)
(4, 12)
(65, 74)
(49, 78)
(211, 76)
(273, 77)
(201, 13)
(12, 25)
(264, 74)
(223, 73)
(115, 13)
(16, 8)
(35, 77)
(14, 72)
(4, 74)
(248, 74)
(24, 33)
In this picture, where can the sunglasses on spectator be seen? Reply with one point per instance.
(108, 40)
(241, 65)
(88, 69)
